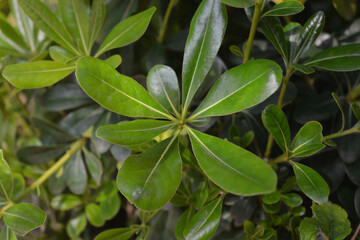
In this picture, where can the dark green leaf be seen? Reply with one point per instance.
(309, 229)
(240, 88)
(276, 123)
(24, 217)
(239, 3)
(356, 110)
(182, 222)
(97, 17)
(207, 30)
(204, 223)
(76, 225)
(36, 74)
(140, 176)
(76, 176)
(18, 186)
(227, 164)
(94, 165)
(110, 206)
(7, 234)
(65, 202)
(291, 199)
(271, 198)
(304, 69)
(201, 195)
(116, 234)
(236, 50)
(285, 9)
(272, 208)
(6, 179)
(42, 154)
(106, 190)
(49, 128)
(116, 92)
(311, 183)
(346, 9)
(93, 214)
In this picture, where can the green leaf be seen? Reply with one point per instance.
(94, 165)
(127, 31)
(7, 234)
(75, 16)
(271, 198)
(6, 179)
(276, 123)
(40, 154)
(36, 74)
(291, 199)
(239, 3)
(97, 16)
(342, 58)
(140, 176)
(309, 229)
(76, 225)
(49, 23)
(114, 60)
(204, 223)
(272, 208)
(18, 186)
(311, 183)
(346, 9)
(309, 34)
(50, 129)
(308, 140)
(201, 195)
(116, 234)
(227, 165)
(163, 85)
(240, 88)
(356, 110)
(10, 39)
(304, 69)
(134, 132)
(93, 214)
(61, 55)
(76, 176)
(207, 30)
(24, 217)
(182, 222)
(333, 220)
(115, 91)
(65, 202)
(236, 50)
(285, 9)
(110, 206)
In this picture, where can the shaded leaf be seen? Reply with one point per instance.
(94, 165)
(76, 225)
(97, 16)
(239, 4)
(65, 202)
(93, 214)
(76, 176)
(182, 222)
(110, 206)
(309, 229)
(6, 179)
(116, 234)
(38, 155)
(7, 234)
(285, 9)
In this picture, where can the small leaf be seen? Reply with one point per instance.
(36, 74)
(6, 179)
(24, 217)
(93, 214)
(116, 234)
(272, 208)
(110, 206)
(205, 222)
(114, 60)
(182, 222)
(304, 68)
(309, 229)
(201, 195)
(141, 177)
(94, 165)
(271, 198)
(291, 199)
(219, 158)
(127, 31)
(97, 16)
(40, 154)
(276, 123)
(285, 9)
(239, 3)
(311, 183)
(65, 202)
(76, 176)
(7, 234)
(76, 225)
(342, 58)
(338, 103)
(134, 132)
(356, 110)
(18, 186)
(61, 55)
(236, 50)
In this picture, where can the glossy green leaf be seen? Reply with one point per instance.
(6, 179)
(309, 229)
(201, 195)
(49, 23)
(116, 92)
(116, 234)
(311, 183)
(140, 176)
(342, 58)
(76, 176)
(10, 39)
(134, 132)
(24, 217)
(65, 202)
(40, 154)
(308, 140)
(93, 214)
(271, 198)
(276, 123)
(291, 199)
(182, 222)
(94, 165)
(110, 206)
(61, 55)
(97, 16)
(76, 225)
(219, 158)
(207, 30)
(114, 60)
(7, 234)
(285, 9)
(36, 74)
(205, 222)
(240, 88)
(163, 85)
(239, 3)
(127, 31)
(309, 34)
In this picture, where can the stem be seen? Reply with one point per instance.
(343, 133)
(356, 232)
(73, 148)
(162, 31)
(255, 21)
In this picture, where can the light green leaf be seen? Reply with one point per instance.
(240, 88)
(239, 3)
(7, 234)
(36, 74)
(303, 68)
(65, 202)
(24, 217)
(93, 214)
(140, 176)
(76, 176)
(110, 206)
(97, 17)
(134, 132)
(6, 179)
(114, 60)
(116, 234)
(227, 165)
(115, 91)
(204, 223)
(163, 85)
(10, 39)
(308, 140)
(276, 123)
(94, 165)
(127, 31)
(182, 222)
(49, 23)
(285, 9)
(76, 225)
(61, 55)
(311, 183)
(18, 186)
(342, 58)
(207, 30)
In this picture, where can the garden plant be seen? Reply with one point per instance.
(168, 119)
